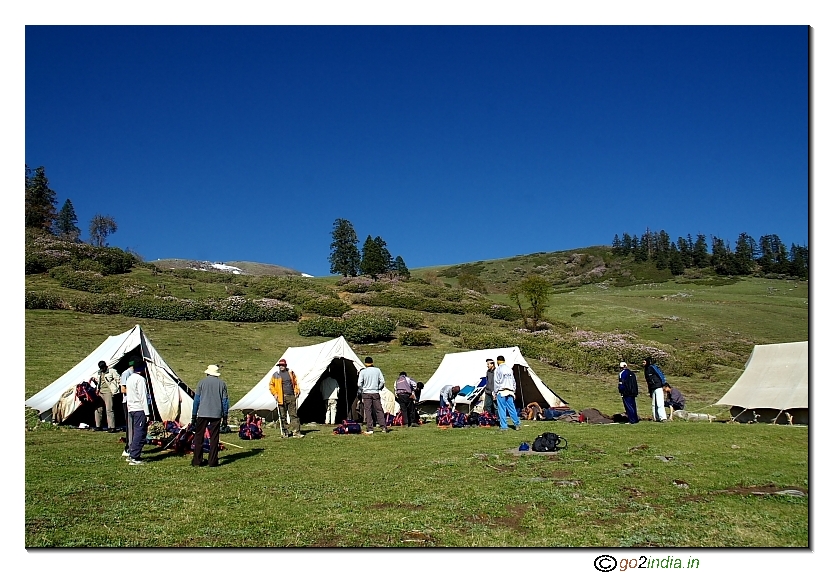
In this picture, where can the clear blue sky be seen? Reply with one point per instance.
(454, 144)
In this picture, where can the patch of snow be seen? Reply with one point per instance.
(226, 268)
(307, 275)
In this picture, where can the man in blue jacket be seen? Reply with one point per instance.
(210, 406)
(628, 389)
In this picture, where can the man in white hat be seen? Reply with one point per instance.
(210, 406)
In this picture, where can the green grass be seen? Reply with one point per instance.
(427, 486)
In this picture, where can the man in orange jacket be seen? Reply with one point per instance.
(284, 386)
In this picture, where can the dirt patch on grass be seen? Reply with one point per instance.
(516, 514)
(418, 538)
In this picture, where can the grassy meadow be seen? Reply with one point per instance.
(648, 485)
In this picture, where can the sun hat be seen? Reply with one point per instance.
(281, 361)
(213, 370)
(623, 364)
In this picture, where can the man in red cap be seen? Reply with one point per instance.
(284, 386)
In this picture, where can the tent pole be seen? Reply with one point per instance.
(520, 386)
(344, 378)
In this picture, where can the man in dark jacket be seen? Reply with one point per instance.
(210, 405)
(628, 389)
(489, 405)
(673, 399)
(654, 382)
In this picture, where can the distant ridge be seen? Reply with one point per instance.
(234, 267)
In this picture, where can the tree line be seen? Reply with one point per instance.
(374, 260)
(41, 212)
(768, 255)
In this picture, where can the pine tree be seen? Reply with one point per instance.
(65, 222)
(373, 261)
(101, 226)
(400, 268)
(675, 261)
(40, 200)
(387, 259)
(744, 257)
(721, 257)
(700, 252)
(344, 251)
(616, 247)
(800, 261)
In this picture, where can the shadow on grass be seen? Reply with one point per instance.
(226, 459)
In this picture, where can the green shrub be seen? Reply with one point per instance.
(114, 260)
(321, 326)
(452, 330)
(365, 328)
(165, 309)
(332, 307)
(82, 280)
(238, 309)
(415, 338)
(97, 303)
(471, 282)
(88, 264)
(39, 300)
(406, 318)
(502, 312)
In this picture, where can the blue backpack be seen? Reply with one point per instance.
(659, 373)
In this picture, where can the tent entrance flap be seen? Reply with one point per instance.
(314, 408)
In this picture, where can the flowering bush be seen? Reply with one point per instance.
(165, 308)
(502, 312)
(415, 338)
(98, 304)
(321, 326)
(450, 330)
(365, 328)
(356, 284)
(38, 300)
(239, 309)
(326, 306)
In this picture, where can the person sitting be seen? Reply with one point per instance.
(673, 399)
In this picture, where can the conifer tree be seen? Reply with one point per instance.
(65, 222)
(344, 251)
(40, 200)
(700, 252)
(400, 268)
(373, 260)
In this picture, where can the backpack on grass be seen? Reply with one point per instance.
(549, 443)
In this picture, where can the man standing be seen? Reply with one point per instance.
(210, 406)
(371, 382)
(329, 391)
(128, 425)
(284, 386)
(505, 395)
(404, 388)
(107, 380)
(138, 411)
(628, 389)
(654, 382)
(489, 393)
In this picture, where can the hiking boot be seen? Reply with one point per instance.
(386, 430)
(135, 462)
(298, 435)
(370, 432)
(125, 454)
(516, 428)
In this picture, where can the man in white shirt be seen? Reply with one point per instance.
(505, 395)
(128, 426)
(138, 411)
(329, 392)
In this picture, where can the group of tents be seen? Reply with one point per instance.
(773, 386)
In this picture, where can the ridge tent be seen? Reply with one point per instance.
(171, 399)
(467, 368)
(310, 364)
(774, 383)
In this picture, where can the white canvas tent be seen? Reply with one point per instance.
(774, 383)
(310, 364)
(172, 400)
(466, 368)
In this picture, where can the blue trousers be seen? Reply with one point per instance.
(630, 408)
(140, 432)
(506, 403)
